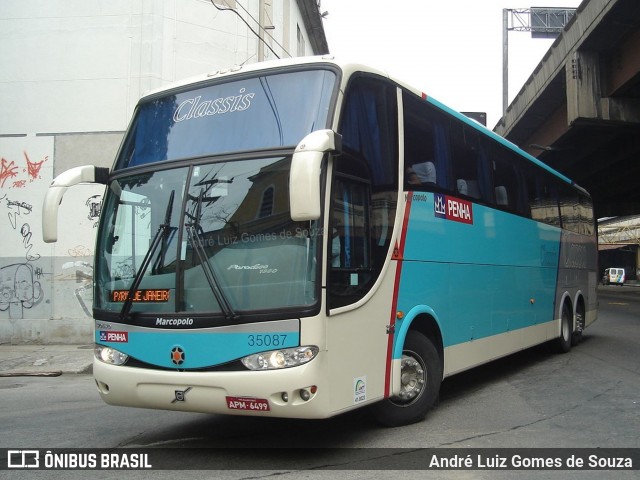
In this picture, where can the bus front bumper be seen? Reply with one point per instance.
(298, 392)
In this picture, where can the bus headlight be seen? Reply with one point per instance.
(109, 355)
(284, 358)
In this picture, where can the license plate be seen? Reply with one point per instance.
(248, 403)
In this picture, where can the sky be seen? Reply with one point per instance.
(449, 49)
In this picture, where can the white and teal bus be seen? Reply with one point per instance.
(305, 237)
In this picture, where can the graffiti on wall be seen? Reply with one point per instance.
(20, 288)
(94, 204)
(17, 213)
(28, 273)
(10, 170)
(7, 171)
(20, 283)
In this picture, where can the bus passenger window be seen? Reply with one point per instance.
(469, 164)
(426, 146)
(506, 180)
(543, 197)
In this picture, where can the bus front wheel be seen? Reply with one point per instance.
(420, 378)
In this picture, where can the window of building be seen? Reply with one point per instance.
(266, 206)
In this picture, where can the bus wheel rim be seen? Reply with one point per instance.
(413, 379)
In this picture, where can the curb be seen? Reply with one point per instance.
(45, 360)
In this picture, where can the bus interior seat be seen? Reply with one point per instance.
(468, 187)
(502, 198)
(461, 185)
(425, 171)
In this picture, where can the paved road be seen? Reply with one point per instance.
(587, 398)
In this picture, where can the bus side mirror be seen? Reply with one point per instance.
(304, 180)
(57, 189)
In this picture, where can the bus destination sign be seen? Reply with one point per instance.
(141, 296)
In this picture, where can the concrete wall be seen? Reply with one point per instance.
(72, 73)
(81, 66)
(45, 289)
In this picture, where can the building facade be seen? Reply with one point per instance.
(619, 245)
(73, 71)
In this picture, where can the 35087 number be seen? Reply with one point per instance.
(267, 340)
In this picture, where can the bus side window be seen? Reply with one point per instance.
(586, 216)
(506, 185)
(426, 144)
(469, 164)
(543, 197)
(569, 208)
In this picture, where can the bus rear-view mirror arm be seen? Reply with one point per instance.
(57, 189)
(304, 180)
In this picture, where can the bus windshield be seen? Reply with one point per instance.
(214, 238)
(188, 231)
(252, 113)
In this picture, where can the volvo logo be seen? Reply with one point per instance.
(180, 395)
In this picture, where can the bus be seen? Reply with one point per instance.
(306, 237)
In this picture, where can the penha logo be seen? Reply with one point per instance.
(454, 209)
(118, 337)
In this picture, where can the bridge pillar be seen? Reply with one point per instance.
(583, 86)
(586, 80)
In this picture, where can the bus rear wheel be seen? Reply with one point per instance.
(420, 378)
(576, 337)
(563, 343)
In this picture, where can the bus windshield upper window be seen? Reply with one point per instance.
(247, 114)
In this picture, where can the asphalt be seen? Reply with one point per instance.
(45, 360)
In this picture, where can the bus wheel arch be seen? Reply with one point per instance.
(426, 324)
(421, 375)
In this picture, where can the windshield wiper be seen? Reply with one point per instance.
(209, 273)
(157, 239)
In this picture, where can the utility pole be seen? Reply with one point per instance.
(505, 60)
(261, 21)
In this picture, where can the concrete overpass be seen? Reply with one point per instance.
(580, 109)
